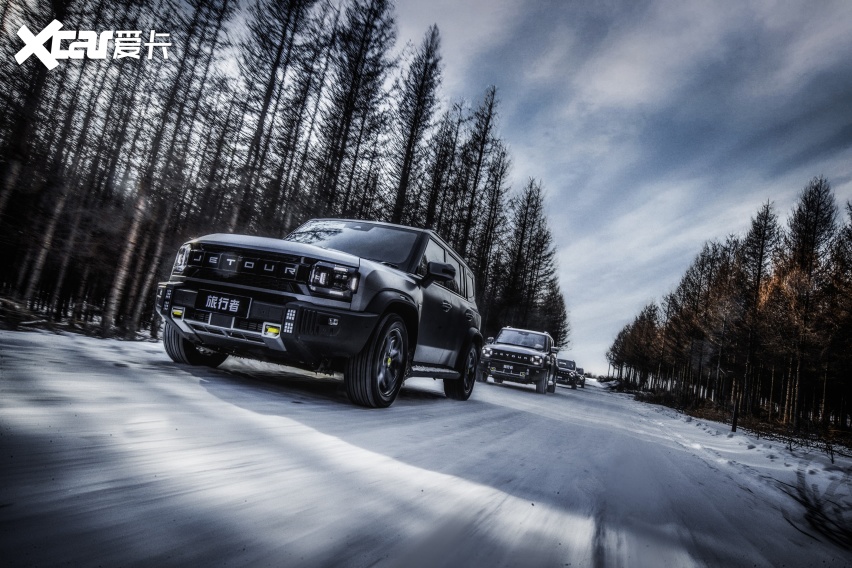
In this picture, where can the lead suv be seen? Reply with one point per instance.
(375, 301)
(521, 356)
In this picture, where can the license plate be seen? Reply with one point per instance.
(508, 368)
(223, 303)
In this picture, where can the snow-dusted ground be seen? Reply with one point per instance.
(112, 455)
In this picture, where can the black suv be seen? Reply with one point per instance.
(376, 301)
(520, 356)
(566, 372)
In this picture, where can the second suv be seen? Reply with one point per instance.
(566, 372)
(521, 356)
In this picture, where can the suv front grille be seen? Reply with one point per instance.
(499, 355)
(248, 325)
(252, 280)
(197, 315)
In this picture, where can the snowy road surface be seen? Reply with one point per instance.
(111, 455)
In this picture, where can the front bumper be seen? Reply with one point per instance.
(274, 327)
(565, 378)
(515, 372)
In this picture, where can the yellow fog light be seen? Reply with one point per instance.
(177, 312)
(271, 330)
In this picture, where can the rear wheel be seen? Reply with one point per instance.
(183, 351)
(374, 376)
(461, 388)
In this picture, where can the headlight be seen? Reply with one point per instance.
(487, 351)
(333, 280)
(536, 360)
(181, 259)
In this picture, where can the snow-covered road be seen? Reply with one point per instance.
(112, 455)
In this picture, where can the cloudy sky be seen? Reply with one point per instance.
(653, 125)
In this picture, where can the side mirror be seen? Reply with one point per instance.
(554, 350)
(490, 340)
(438, 272)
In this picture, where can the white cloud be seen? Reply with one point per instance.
(644, 61)
(468, 29)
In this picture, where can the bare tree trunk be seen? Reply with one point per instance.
(771, 393)
(45, 246)
(151, 273)
(123, 269)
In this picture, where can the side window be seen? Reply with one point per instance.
(433, 253)
(455, 284)
(471, 289)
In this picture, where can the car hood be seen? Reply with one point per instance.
(505, 347)
(279, 246)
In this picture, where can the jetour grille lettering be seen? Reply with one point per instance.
(223, 264)
(507, 356)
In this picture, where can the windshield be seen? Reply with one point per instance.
(390, 245)
(565, 364)
(521, 338)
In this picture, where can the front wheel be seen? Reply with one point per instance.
(541, 386)
(461, 388)
(183, 351)
(374, 376)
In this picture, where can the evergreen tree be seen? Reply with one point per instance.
(417, 101)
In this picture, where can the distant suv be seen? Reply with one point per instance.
(521, 356)
(581, 377)
(566, 372)
(376, 301)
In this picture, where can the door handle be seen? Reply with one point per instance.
(446, 305)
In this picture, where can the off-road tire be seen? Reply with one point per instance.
(461, 388)
(541, 386)
(374, 376)
(185, 352)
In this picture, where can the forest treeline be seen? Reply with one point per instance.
(760, 325)
(266, 113)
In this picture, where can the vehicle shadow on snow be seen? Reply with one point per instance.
(446, 436)
(298, 386)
